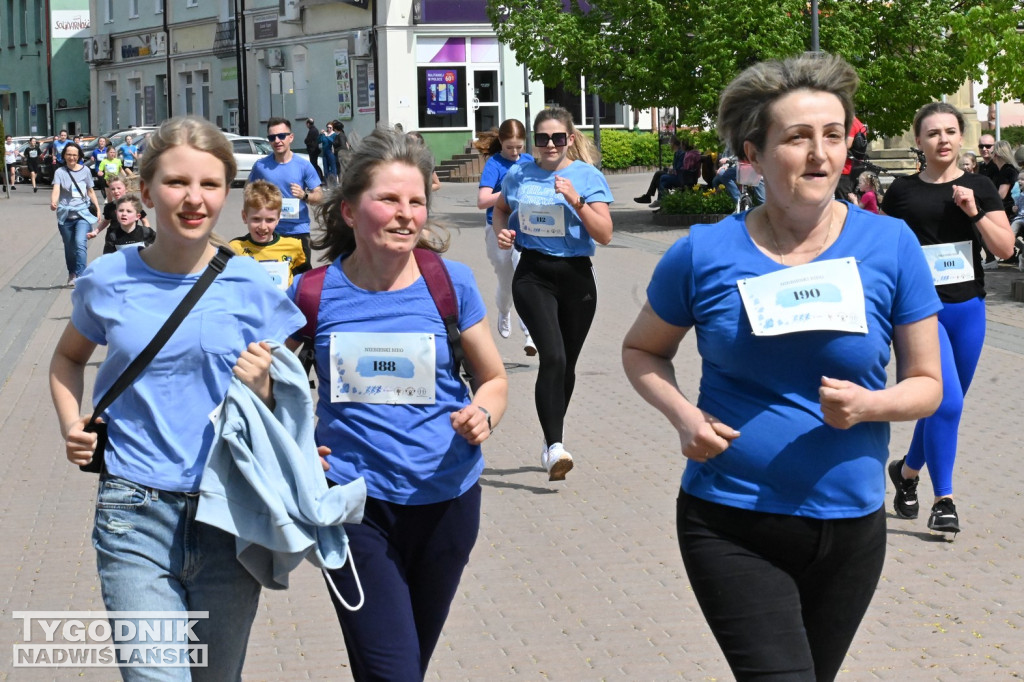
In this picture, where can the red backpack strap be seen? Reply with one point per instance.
(307, 298)
(442, 291)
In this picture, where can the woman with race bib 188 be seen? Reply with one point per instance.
(953, 214)
(553, 211)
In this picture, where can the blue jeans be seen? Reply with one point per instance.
(73, 231)
(153, 555)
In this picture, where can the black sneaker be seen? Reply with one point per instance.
(905, 502)
(944, 518)
(643, 199)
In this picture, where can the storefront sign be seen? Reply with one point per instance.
(70, 23)
(442, 92)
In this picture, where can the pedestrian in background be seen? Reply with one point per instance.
(312, 143)
(781, 521)
(71, 197)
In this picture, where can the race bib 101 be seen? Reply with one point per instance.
(950, 263)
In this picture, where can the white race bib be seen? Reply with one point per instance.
(383, 368)
(542, 221)
(289, 207)
(129, 163)
(820, 296)
(950, 263)
(278, 271)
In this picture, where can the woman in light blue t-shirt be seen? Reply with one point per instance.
(553, 211)
(151, 553)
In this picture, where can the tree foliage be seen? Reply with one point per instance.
(681, 53)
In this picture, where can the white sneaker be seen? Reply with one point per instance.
(557, 461)
(505, 325)
(528, 346)
(990, 265)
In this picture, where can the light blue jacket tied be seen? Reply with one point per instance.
(264, 483)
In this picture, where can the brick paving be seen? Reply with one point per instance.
(580, 580)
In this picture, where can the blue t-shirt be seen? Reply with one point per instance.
(128, 152)
(531, 184)
(298, 171)
(787, 460)
(494, 172)
(57, 146)
(408, 454)
(159, 429)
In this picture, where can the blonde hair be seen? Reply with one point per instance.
(1004, 151)
(261, 194)
(194, 132)
(582, 148)
(873, 181)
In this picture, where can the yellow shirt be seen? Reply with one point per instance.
(278, 250)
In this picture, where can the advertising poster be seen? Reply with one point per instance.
(442, 92)
(343, 75)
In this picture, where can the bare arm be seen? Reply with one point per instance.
(647, 353)
(67, 379)
(487, 197)
(916, 394)
(315, 196)
(994, 226)
(491, 383)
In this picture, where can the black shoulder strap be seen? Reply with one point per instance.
(133, 370)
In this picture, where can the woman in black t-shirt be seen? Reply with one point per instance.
(953, 214)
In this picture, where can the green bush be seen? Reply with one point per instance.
(616, 149)
(698, 201)
(1012, 134)
(624, 149)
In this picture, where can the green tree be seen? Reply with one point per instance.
(681, 53)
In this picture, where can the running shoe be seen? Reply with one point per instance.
(557, 461)
(643, 199)
(990, 265)
(905, 502)
(529, 347)
(505, 325)
(944, 518)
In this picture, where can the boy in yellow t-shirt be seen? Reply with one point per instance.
(282, 257)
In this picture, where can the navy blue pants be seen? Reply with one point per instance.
(410, 560)
(783, 595)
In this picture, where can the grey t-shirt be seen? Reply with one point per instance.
(72, 197)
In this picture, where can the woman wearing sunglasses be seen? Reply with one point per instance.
(553, 211)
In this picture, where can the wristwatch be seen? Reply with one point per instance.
(488, 415)
(581, 201)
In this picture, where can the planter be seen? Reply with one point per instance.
(687, 219)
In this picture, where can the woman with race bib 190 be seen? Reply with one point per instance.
(953, 214)
(553, 211)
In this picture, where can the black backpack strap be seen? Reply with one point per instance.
(216, 266)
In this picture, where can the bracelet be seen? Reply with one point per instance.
(488, 415)
(977, 216)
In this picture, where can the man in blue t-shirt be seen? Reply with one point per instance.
(294, 176)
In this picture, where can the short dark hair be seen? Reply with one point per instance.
(278, 121)
(938, 108)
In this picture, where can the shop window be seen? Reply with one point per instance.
(442, 96)
(609, 113)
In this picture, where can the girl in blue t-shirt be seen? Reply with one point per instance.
(393, 410)
(151, 553)
(505, 147)
(553, 211)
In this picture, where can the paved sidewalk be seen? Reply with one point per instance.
(580, 580)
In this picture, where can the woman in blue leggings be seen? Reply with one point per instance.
(953, 214)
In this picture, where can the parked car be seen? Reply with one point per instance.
(249, 150)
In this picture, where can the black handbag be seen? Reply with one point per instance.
(216, 266)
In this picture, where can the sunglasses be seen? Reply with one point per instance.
(278, 136)
(542, 139)
(985, 146)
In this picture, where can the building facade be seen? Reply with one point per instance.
(429, 65)
(44, 83)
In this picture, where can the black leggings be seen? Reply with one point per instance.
(783, 595)
(556, 298)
